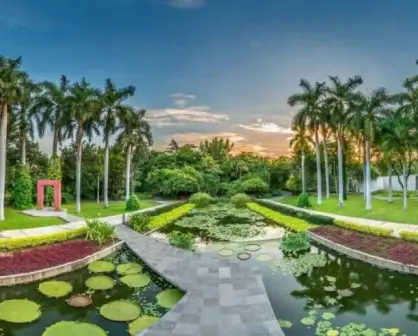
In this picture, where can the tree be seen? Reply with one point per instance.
(325, 120)
(339, 97)
(218, 148)
(10, 94)
(173, 146)
(112, 108)
(310, 113)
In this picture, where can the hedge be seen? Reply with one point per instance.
(157, 222)
(291, 223)
(372, 230)
(409, 236)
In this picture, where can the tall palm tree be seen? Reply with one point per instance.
(339, 101)
(113, 106)
(310, 100)
(325, 117)
(301, 143)
(10, 94)
(82, 117)
(135, 137)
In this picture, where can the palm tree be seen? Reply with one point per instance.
(310, 113)
(136, 136)
(82, 116)
(339, 101)
(301, 143)
(10, 94)
(112, 100)
(325, 118)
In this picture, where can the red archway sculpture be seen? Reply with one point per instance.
(57, 193)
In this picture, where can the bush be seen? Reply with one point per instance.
(22, 189)
(240, 200)
(372, 230)
(254, 186)
(293, 184)
(409, 236)
(201, 200)
(157, 222)
(181, 240)
(295, 242)
(132, 204)
(99, 231)
(139, 222)
(291, 223)
(303, 201)
(145, 195)
(11, 244)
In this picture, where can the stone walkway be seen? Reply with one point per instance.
(396, 227)
(224, 297)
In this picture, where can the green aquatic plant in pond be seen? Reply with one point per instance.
(285, 324)
(101, 266)
(295, 242)
(19, 311)
(141, 323)
(136, 280)
(55, 289)
(303, 264)
(308, 321)
(328, 316)
(345, 292)
(120, 311)
(129, 268)
(169, 297)
(325, 328)
(100, 282)
(71, 328)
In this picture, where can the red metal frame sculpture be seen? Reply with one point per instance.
(57, 193)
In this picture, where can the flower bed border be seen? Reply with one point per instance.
(365, 257)
(22, 278)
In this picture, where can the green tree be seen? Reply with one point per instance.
(173, 146)
(218, 148)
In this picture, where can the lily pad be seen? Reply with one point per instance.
(169, 297)
(331, 279)
(345, 292)
(330, 289)
(333, 332)
(141, 323)
(136, 280)
(19, 311)
(101, 266)
(355, 285)
(129, 268)
(265, 257)
(68, 328)
(100, 282)
(79, 300)
(55, 289)
(308, 321)
(243, 256)
(120, 311)
(328, 316)
(252, 247)
(285, 324)
(225, 252)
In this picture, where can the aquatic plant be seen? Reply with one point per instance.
(129, 268)
(79, 300)
(141, 323)
(136, 280)
(285, 324)
(303, 264)
(100, 282)
(328, 316)
(19, 311)
(68, 328)
(169, 297)
(101, 266)
(55, 289)
(295, 242)
(120, 311)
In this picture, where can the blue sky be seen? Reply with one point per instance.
(214, 67)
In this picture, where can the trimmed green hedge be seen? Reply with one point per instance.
(291, 223)
(409, 236)
(157, 222)
(372, 230)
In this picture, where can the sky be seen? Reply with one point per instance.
(206, 68)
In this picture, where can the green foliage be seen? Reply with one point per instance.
(129, 268)
(240, 200)
(133, 203)
(70, 328)
(100, 282)
(303, 264)
(409, 236)
(372, 230)
(19, 311)
(295, 242)
(22, 188)
(293, 184)
(54, 173)
(171, 216)
(140, 222)
(120, 311)
(169, 297)
(136, 280)
(181, 240)
(101, 266)
(99, 231)
(303, 201)
(254, 186)
(55, 289)
(201, 200)
(141, 323)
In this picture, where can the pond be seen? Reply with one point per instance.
(56, 309)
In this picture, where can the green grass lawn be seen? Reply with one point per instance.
(94, 209)
(355, 207)
(15, 220)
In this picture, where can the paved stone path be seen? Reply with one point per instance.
(224, 297)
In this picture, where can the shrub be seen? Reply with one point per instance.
(99, 231)
(293, 184)
(372, 230)
(171, 216)
(291, 223)
(295, 242)
(22, 189)
(409, 236)
(139, 222)
(240, 200)
(132, 204)
(181, 240)
(303, 201)
(201, 200)
(254, 186)
(145, 195)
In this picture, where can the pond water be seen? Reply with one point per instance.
(55, 310)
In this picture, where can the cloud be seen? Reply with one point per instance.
(181, 99)
(186, 4)
(259, 126)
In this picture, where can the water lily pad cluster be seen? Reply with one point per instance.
(100, 282)
(19, 311)
(294, 242)
(55, 289)
(101, 266)
(120, 311)
(325, 328)
(169, 297)
(303, 264)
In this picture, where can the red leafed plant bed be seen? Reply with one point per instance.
(388, 248)
(46, 256)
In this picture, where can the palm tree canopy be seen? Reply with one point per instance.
(302, 140)
(136, 129)
(10, 78)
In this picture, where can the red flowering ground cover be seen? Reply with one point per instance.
(388, 248)
(46, 256)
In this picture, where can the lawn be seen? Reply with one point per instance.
(15, 220)
(355, 207)
(94, 209)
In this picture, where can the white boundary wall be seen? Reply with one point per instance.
(382, 183)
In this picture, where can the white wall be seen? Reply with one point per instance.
(382, 182)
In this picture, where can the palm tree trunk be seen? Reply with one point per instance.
(303, 172)
(78, 172)
(368, 178)
(405, 187)
(340, 171)
(390, 196)
(3, 137)
(318, 168)
(106, 176)
(98, 189)
(23, 149)
(364, 171)
(326, 168)
(55, 143)
(128, 172)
